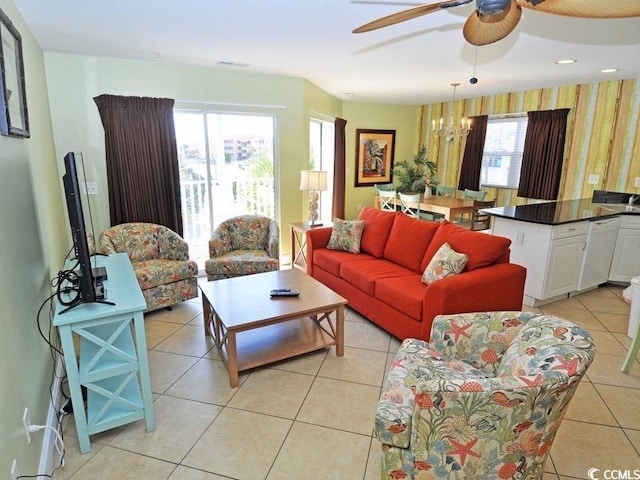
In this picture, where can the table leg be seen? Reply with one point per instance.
(145, 379)
(340, 331)
(206, 313)
(71, 366)
(232, 358)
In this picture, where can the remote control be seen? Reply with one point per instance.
(286, 293)
(280, 290)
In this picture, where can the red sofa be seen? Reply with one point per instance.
(383, 281)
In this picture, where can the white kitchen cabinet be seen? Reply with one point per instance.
(552, 255)
(626, 256)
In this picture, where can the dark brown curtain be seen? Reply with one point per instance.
(142, 160)
(339, 168)
(472, 158)
(543, 154)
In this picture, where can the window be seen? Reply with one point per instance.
(502, 156)
(321, 142)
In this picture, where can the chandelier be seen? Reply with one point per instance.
(450, 131)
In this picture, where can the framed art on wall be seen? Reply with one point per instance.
(13, 102)
(374, 156)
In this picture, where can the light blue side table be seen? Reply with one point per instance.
(112, 362)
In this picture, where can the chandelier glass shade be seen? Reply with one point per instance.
(449, 130)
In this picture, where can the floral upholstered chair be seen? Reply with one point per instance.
(160, 260)
(483, 399)
(243, 245)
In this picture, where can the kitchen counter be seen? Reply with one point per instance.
(561, 212)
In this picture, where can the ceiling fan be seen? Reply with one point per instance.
(493, 20)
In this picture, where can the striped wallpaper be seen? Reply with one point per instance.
(603, 136)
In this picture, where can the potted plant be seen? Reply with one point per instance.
(417, 174)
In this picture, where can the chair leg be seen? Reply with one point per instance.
(634, 322)
(632, 354)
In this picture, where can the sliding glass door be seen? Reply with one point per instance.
(226, 169)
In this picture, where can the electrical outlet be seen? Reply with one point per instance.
(27, 423)
(637, 182)
(15, 474)
(91, 188)
(594, 178)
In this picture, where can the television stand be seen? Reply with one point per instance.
(112, 359)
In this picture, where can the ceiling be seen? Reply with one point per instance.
(410, 63)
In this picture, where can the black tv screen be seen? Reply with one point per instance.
(85, 286)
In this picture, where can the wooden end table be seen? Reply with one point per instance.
(251, 329)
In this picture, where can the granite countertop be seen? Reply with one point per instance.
(564, 211)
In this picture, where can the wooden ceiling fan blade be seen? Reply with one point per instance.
(483, 30)
(586, 8)
(398, 17)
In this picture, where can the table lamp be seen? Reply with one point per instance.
(313, 181)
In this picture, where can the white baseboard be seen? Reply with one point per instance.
(48, 454)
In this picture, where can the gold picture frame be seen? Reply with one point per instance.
(374, 156)
(14, 120)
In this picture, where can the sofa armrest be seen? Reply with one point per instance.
(498, 287)
(220, 243)
(273, 241)
(105, 245)
(316, 238)
(172, 246)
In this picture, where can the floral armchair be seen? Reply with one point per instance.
(160, 260)
(484, 399)
(243, 245)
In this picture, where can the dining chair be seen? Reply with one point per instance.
(479, 220)
(631, 295)
(471, 195)
(387, 199)
(474, 194)
(442, 191)
(410, 204)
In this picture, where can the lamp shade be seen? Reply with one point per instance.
(313, 180)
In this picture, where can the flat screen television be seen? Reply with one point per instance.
(82, 278)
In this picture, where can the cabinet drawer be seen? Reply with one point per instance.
(569, 230)
(630, 221)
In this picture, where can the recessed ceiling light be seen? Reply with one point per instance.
(350, 94)
(227, 63)
(608, 70)
(566, 61)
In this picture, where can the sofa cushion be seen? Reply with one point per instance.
(405, 294)
(240, 262)
(408, 241)
(364, 274)
(377, 225)
(445, 262)
(481, 248)
(332, 260)
(346, 235)
(151, 273)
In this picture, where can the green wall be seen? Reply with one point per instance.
(75, 80)
(403, 119)
(33, 242)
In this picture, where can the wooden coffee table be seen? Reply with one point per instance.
(251, 329)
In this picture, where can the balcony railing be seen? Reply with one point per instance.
(235, 196)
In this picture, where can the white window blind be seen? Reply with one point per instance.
(502, 155)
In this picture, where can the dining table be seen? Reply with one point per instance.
(447, 206)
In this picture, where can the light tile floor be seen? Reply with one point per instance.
(311, 417)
